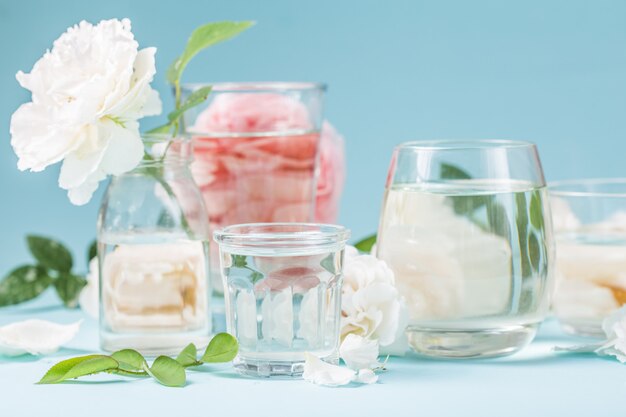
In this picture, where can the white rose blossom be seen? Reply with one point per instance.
(371, 304)
(87, 94)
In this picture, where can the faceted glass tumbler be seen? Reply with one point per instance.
(589, 217)
(282, 286)
(466, 228)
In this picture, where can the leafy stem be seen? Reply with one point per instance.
(130, 363)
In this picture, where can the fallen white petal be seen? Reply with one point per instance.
(37, 337)
(366, 376)
(359, 352)
(322, 373)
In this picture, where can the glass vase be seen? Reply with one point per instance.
(466, 228)
(256, 153)
(153, 254)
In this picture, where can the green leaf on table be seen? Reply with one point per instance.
(92, 252)
(188, 356)
(167, 371)
(50, 253)
(130, 360)
(366, 245)
(68, 287)
(77, 367)
(23, 283)
(196, 98)
(222, 348)
(201, 38)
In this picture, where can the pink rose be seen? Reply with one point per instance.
(266, 178)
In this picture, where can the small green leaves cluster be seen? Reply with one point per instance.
(128, 362)
(52, 268)
(203, 37)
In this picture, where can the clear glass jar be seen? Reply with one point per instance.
(256, 152)
(590, 228)
(283, 293)
(466, 228)
(153, 245)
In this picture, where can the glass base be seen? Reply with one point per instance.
(584, 327)
(466, 344)
(263, 368)
(154, 344)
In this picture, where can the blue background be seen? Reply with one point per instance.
(553, 72)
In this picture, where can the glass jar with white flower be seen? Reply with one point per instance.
(153, 237)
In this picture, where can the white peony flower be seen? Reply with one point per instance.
(89, 298)
(87, 94)
(371, 304)
(359, 353)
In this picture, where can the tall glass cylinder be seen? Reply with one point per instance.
(256, 148)
(466, 228)
(153, 254)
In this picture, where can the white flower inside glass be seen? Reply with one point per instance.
(465, 227)
(590, 227)
(283, 293)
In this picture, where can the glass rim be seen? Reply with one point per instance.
(576, 187)
(153, 138)
(464, 144)
(253, 235)
(258, 86)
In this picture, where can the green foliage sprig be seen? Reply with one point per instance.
(52, 267)
(128, 362)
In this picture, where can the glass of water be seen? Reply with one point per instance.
(466, 228)
(282, 290)
(589, 219)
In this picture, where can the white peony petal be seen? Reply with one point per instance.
(37, 337)
(79, 165)
(38, 140)
(322, 373)
(366, 376)
(140, 100)
(89, 297)
(125, 148)
(358, 352)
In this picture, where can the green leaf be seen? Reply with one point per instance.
(201, 38)
(129, 360)
(239, 261)
(222, 348)
(92, 252)
(23, 283)
(197, 97)
(452, 172)
(77, 367)
(163, 129)
(50, 253)
(188, 356)
(68, 287)
(167, 371)
(366, 245)
(328, 263)
(536, 210)
(256, 276)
